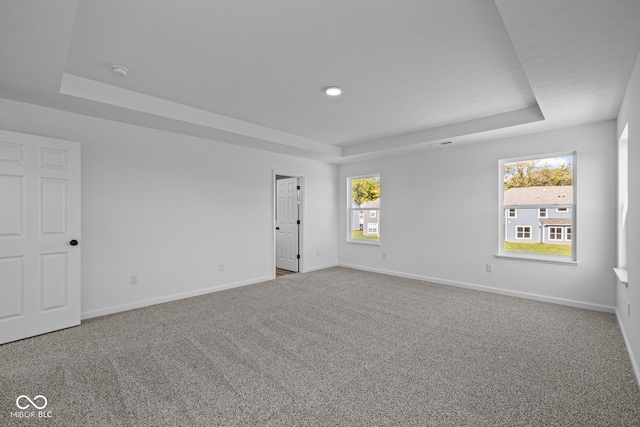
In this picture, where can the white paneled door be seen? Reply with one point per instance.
(39, 235)
(287, 216)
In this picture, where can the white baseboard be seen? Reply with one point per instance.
(320, 267)
(554, 300)
(174, 297)
(634, 365)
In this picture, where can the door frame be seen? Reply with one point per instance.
(302, 218)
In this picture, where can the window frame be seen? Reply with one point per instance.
(503, 219)
(351, 210)
(622, 230)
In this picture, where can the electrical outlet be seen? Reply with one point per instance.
(489, 268)
(317, 253)
(134, 279)
(220, 267)
(384, 255)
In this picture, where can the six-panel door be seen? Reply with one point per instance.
(39, 217)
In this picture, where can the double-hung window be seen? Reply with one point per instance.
(363, 211)
(542, 191)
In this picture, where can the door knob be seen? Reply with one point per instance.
(277, 228)
(73, 242)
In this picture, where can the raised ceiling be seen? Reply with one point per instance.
(413, 72)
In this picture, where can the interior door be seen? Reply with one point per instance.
(39, 235)
(287, 216)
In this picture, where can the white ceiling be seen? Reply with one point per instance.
(414, 72)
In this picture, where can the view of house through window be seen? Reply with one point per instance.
(538, 207)
(364, 208)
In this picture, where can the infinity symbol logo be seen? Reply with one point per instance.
(32, 402)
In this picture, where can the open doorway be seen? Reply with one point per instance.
(288, 213)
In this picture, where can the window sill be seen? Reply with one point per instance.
(554, 260)
(365, 242)
(623, 275)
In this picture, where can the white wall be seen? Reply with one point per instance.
(439, 218)
(630, 113)
(170, 208)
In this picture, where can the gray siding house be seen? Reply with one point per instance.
(371, 219)
(527, 221)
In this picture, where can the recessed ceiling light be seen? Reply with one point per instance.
(119, 70)
(333, 91)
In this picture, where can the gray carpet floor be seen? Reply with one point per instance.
(336, 347)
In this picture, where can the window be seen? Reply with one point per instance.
(542, 191)
(364, 209)
(623, 196)
(555, 233)
(523, 232)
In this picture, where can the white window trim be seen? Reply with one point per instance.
(623, 200)
(546, 213)
(508, 212)
(502, 219)
(373, 214)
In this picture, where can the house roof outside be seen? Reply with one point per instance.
(553, 195)
(555, 221)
